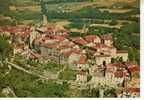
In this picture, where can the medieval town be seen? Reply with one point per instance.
(48, 59)
(89, 56)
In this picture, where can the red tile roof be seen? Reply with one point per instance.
(131, 64)
(90, 38)
(58, 37)
(120, 74)
(133, 90)
(134, 69)
(52, 46)
(22, 30)
(82, 60)
(68, 53)
(60, 47)
(79, 40)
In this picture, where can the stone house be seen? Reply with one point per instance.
(34, 34)
(123, 54)
(96, 70)
(107, 39)
(81, 76)
(49, 53)
(131, 92)
(96, 81)
(133, 69)
(92, 39)
(19, 48)
(82, 64)
(102, 59)
(113, 52)
(79, 41)
(118, 73)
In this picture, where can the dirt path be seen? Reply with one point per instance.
(26, 71)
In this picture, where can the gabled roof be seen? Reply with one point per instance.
(82, 60)
(58, 37)
(91, 38)
(74, 50)
(133, 90)
(79, 40)
(120, 74)
(134, 69)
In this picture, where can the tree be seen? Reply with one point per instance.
(89, 77)
(134, 27)
(4, 4)
(67, 74)
(113, 22)
(43, 7)
(5, 48)
(110, 92)
(134, 55)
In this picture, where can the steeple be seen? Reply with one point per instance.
(43, 10)
(45, 21)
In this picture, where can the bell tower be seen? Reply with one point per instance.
(44, 11)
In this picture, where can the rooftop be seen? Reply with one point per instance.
(107, 37)
(79, 40)
(91, 38)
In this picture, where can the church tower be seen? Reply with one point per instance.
(45, 20)
(44, 11)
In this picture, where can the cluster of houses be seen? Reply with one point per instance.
(91, 56)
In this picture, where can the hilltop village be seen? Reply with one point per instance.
(92, 57)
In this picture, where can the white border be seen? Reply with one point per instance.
(142, 47)
(141, 67)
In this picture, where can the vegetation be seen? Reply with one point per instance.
(68, 74)
(113, 22)
(89, 77)
(6, 22)
(75, 34)
(4, 4)
(25, 85)
(5, 48)
(61, 1)
(116, 60)
(131, 28)
(52, 66)
(95, 92)
(23, 15)
(76, 25)
(134, 55)
(90, 13)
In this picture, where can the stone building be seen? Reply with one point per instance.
(81, 77)
(102, 59)
(123, 54)
(107, 39)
